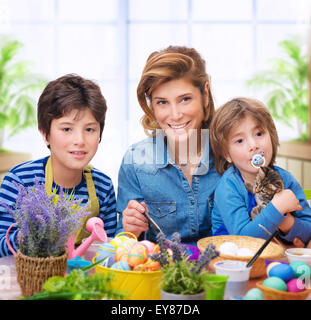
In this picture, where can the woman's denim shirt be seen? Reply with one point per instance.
(149, 174)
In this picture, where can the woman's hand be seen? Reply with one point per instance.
(133, 218)
(299, 244)
(285, 201)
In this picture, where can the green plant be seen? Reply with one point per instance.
(180, 274)
(78, 286)
(17, 88)
(286, 86)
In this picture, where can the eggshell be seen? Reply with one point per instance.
(244, 252)
(228, 248)
(275, 283)
(300, 268)
(106, 249)
(253, 294)
(271, 265)
(149, 265)
(137, 255)
(120, 253)
(121, 265)
(295, 285)
(108, 262)
(283, 271)
(149, 245)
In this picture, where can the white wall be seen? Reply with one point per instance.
(109, 41)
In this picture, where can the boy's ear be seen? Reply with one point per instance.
(44, 138)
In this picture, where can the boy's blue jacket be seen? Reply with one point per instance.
(232, 203)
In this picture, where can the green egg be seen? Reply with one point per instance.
(300, 268)
(253, 294)
(275, 283)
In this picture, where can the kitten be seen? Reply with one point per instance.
(267, 183)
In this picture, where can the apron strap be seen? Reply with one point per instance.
(81, 233)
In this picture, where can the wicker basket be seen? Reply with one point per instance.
(272, 252)
(273, 294)
(32, 272)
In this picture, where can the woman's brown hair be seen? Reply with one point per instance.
(228, 116)
(174, 62)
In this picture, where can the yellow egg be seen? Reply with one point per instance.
(270, 266)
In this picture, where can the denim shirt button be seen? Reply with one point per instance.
(193, 229)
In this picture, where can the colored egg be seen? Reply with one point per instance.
(300, 268)
(149, 245)
(106, 249)
(275, 283)
(295, 285)
(121, 265)
(120, 253)
(149, 265)
(253, 294)
(122, 241)
(271, 265)
(283, 271)
(137, 255)
(108, 262)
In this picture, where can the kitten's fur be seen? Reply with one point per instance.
(267, 183)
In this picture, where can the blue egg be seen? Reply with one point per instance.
(108, 262)
(121, 265)
(282, 271)
(105, 250)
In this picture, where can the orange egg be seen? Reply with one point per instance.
(120, 253)
(137, 255)
(149, 265)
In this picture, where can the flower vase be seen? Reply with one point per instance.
(32, 272)
(173, 296)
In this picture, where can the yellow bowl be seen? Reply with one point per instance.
(137, 285)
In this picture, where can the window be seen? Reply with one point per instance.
(109, 41)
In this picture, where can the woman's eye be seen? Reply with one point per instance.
(66, 129)
(161, 102)
(186, 99)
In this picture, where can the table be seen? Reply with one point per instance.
(9, 288)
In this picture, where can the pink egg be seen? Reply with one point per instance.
(148, 244)
(295, 285)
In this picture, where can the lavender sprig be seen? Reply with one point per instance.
(208, 255)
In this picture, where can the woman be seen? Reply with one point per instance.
(170, 175)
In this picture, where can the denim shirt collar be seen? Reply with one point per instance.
(163, 157)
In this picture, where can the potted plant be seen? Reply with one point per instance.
(182, 277)
(18, 86)
(45, 223)
(286, 86)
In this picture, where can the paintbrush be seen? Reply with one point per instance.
(261, 249)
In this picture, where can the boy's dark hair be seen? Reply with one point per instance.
(67, 93)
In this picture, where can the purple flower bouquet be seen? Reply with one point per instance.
(45, 222)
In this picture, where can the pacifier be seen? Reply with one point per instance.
(258, 160)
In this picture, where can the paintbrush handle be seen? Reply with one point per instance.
(261, 249)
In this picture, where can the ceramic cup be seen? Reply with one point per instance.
(238, 276)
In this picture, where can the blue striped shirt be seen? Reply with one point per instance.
(25, 174)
